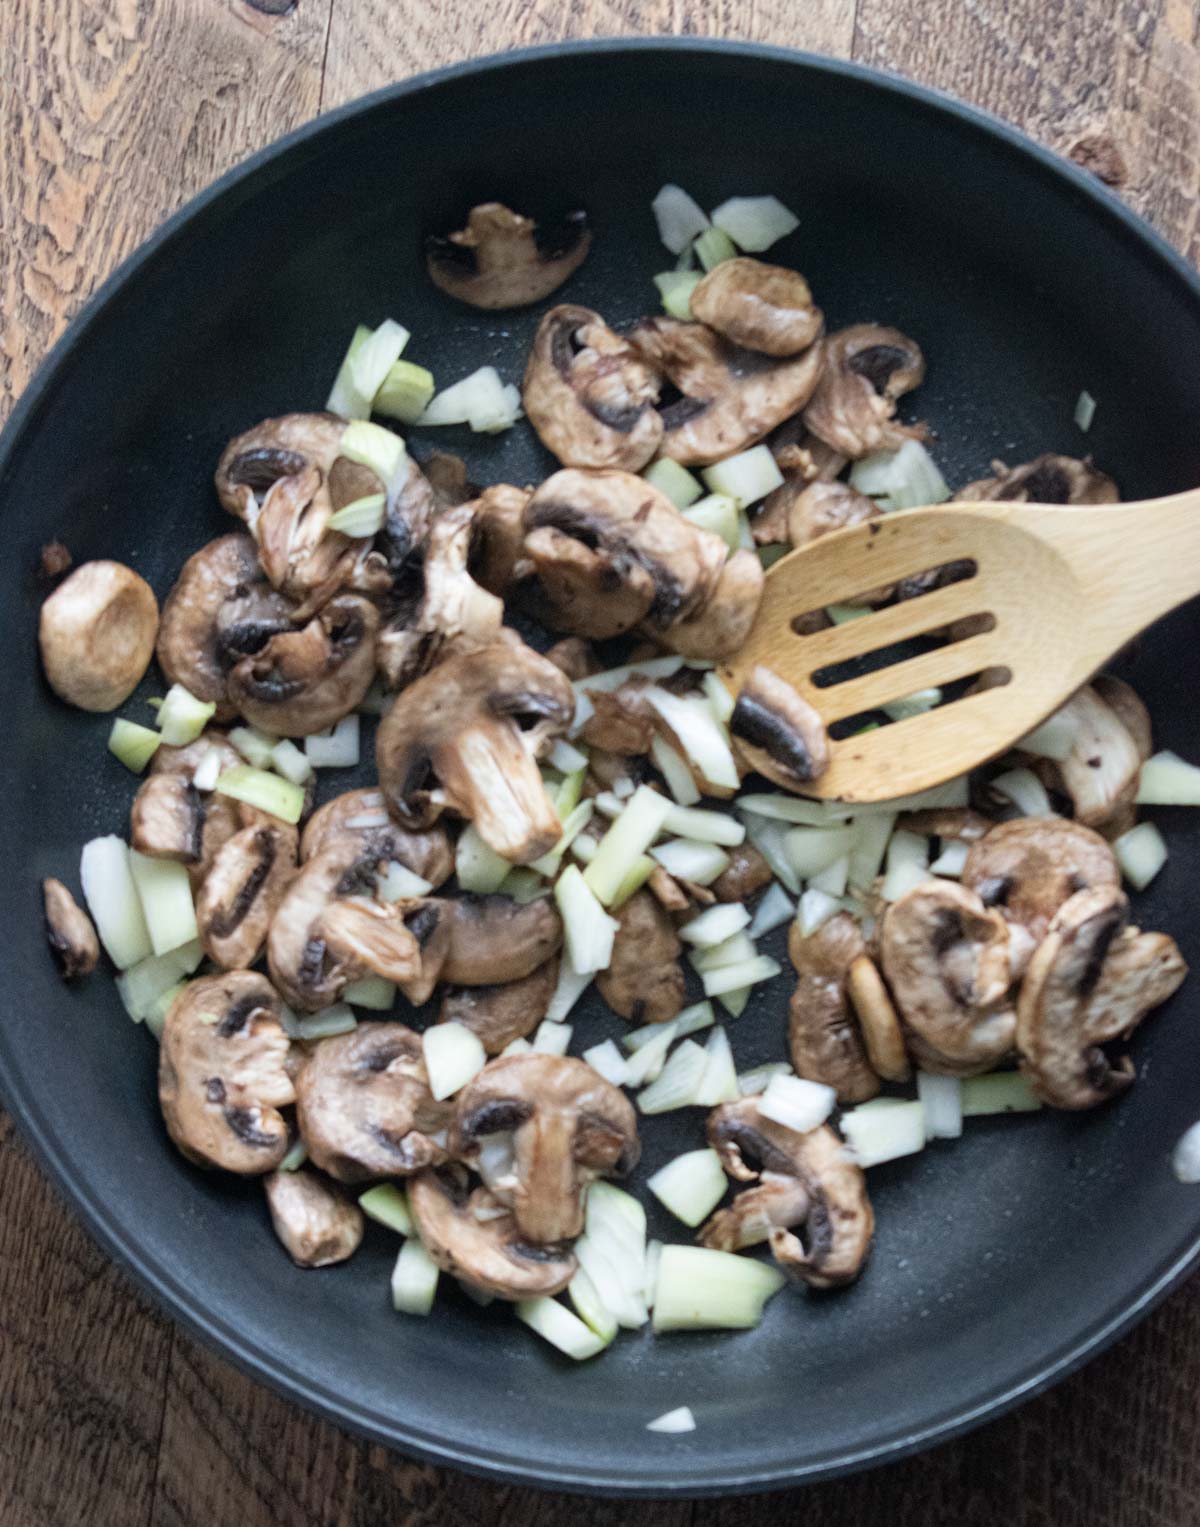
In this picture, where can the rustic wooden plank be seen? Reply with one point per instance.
(373, 42)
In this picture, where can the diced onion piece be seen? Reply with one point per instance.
(797, 1104)
(566, 797)
(633, 880)
(371, 355)
(166, 896)
(157, 1016)
(1085, 411)
(1185, 1159)
(746, 477)
(731, 978)
(675, 288)
(1141, 853)
(717, 513)
(337, 748)
(719, 1084)
(832, 880)
(573, 825)
(1025, 790)
(843, 614)
(719, 698)
(714, 246)
(955, 792)
(588, 930)
(1055, 738)
(815, 910)
(524, 885)
(268, 792)
(770, 838)
(370, 445)
(705, 826)
(517, 1047)
(679, 1082)
(694, 1018)
(141, 985)
(480, 400)
(591, 1308)
(1167, 780)
(623, 787)
(397, 882)
(612, 1253)
(645, 1064)
(675, 772)
(134, 745)
(756, 1080)
(608, 1061)
(702, 738)
(555, 1323)
(698, 1289)
(414, 1279)
(775, 909)
(813, 849)
(875, 1135)
(715, 925)
(790, 808)
(387, 1205)
(374, 993)
(181, 717)
(552, 1038)
(701, 863)
(941, 1098)
(997, 1092)
(344, 398)
(916, 704)
(754, 223)
(691, 1186)
(734, 1002)
(680, 219)
(903, 479)
(907, 864)
(626, 841)
(479, 868)
(676, 482)
(869, 844)
(566, 758)
(672, 1422)
(405, 392)
(653, 1252)
(257, 748)
(208, 771)
(362, 518)
(289, 761)
(295, 1158)
(569, 988)
(453, 1055)
(952, 860)
(187, 956)
(734, 950)
(337, 1019)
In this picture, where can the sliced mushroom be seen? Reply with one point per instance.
(166, 820)
(1029, 867)
(803, 459)
(465, 738)
(670, 893)
(826, 1042)
(719, 628)
(611, 551)
(494, 938)
(504, 260)
(779, 733)
(317, 1225)
(1100, 773)
(947, 959)
(803, 1180)
(589, 394)
(498, 1014)
(644, 979)
(866, 369)
(473, 1236)
(449, 479)
(623, 723)
(878, 1020)
(1091, 982)
(958, 823)
(758, 306)
(220, 816)
(69, 931)
(746, 873)
(222, 1074)
(364, 1105)
(730, 397)
(497, 558)
(362, 814)
(574, 657)
(1047, 479)
(409, 512)
(242, 891)
(569, 1127)
(96, 632)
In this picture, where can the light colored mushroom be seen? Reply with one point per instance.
(644, 980)
(719, 628)
(778, 732)
(362, 814)
(504, 260)
(867, 368)
(1047, 479)
(494, 938)
(69, 931)
(242, 891)
(826, 1041)
(317, 1225)
(499, 1014)
(1029, 867)
(497, 560)
(878, 1019)
(96, 632)
(758, 306)
(1100, 772)
(166, 820)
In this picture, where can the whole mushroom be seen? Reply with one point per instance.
(96, 632)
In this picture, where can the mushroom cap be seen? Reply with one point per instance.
(361, 814)
(364, 1106)
(719, 628)
(758, 306)
(1047, 479)
(826, 1041)
(222, 1075)
(820, 508)
(731, 397)
(828, 1195)
(947, 960)
(644, 980)
(623, 723)
(241, 892)
(96, 632)
(1029, 867)
(569, 1126)
(746, 873)
(166, 820)
(778, 732)
(317, 1224)
(504, 260)
(1091, 981)
(69, 931)
(867, 367)
(497, 559)
(498, 1014)
(495, 938)
(465, 738)
(589, 394)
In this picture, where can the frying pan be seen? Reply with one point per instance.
(1002, 1261)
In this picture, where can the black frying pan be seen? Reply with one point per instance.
(1001, 1262)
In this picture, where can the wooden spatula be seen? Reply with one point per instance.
(1062, 588)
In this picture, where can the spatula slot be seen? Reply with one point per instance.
(861, 604)
(872, 659)
(918, 704)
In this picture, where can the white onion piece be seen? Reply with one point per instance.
(414, 1279)
(815, 910)
(734, 1002)
(182, 717)
(790, 808)
(1085, 411)
(868, 846)
(704, 741)
(832, 880)
(916, 704)
(754, 223)
(567, 758)
(720, 700)
(735, 950)
(1141, 852)
(997, 1092)
(1025, 790)
(614, 1251)
(676, 482)
(165, 892)
(1055, 738)
(679, 1083)
(495, 1161)
(653, 1252)
(590, 1307)
(337, 1019)
(387, 1204)
(907, 864)
(576, 820)
(397, 882)
(1167, 780)
(375, 993)
(813, 849)
(770, 838)
(775, 909)
(954, 793)
(796, 1103)
(941, 1098)
(715, 925)
(588, 930)
(730, 978)
(672, 1422)
(336, 749)
(552, 1038)
(630, 835)
(758, 1078)
(208, 771)
(719, 1084)
(286, 759)
(453, 1055)
(481, 400)
(142, 985)
(680, 219)
(112, 898)
(623, 787)
(718, 514)
(569, 988)
(875, 1135)
(952, 860)
(691, 1186)
(697, 1289)
(679, 778)
(255, 746)
(556, 1324)
(705, 826)
(1185, 1159)
(479, 868)
(701, 863)
(608, 1061)
(517, 1047)
(746, 477)
(647, 1062)
(904, 479)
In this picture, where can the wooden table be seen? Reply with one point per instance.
(112, 113)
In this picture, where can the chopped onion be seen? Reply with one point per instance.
(1025, 790)
(555, 1323)
(1185, 1159)
(676, 288)
(1167, 780)
(907, 864)
(181, 717)
(566, 797)
(574, 824)
(869, 844)
(952, 860)
(754, 223)
(713, 247)
(336, 749)
(453, 1055)
(679, 1083)
(842, 615)
(770, 839)
(790, 808)
(734, 950)
(698, 1289)
(701, 863)
(187, 956)
(288, 760)
(552, 1038)
(570, 987)
(362, 518)
(775, 909)
(591, 1309)
(675, 772)
(165, 892)
(680, 219)
(387, 1205)
(875, 1135)
(517, 1047)
(623, 845)
(371, 355)
(268, 792)
(157, 1016)
(479, 868)
(414, 1279)
(612, 678)
(673, 481)
(405, 392)
(653, 1252)
(955, 792)
(700, 735)
(481, 400)
(813, 849)
(566, 758)
(612, 1251)
(374, 993)
(634, 879)
(941, 1098)
(746, 477)
(1141, 853)
(903, 479)
(719, 1084)
(691, 1186)
(718, 514)
(587, 928)
(715, 925)
(141, 985)
(815, 910)
(734, 1002)
(997, 1092)
(673, 1422)
(1055, 738)
(729, 978)
(647, 1061)
(208, 770)
(396, 882)
(134, 745)
(337, 1019)
(257, 748)
(295, 1158)
(719, 698)
(623, 787)
(1085, 411)
(916, 704)
(704, 826)
(756, 1080)
(608, 1061)
(797, 1104)
(832, 880)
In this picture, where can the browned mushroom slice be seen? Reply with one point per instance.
(497, 559)
(947, 961)
(498, 1014)
(364, 1105)
(69, 931)
(1047, 479)
(316, 1223)
(1129, 710)
(866, 369)
(166, 820)
(826, 1042)
(758, 306)
(878, 1020)
(96, 633)
(799, 1180)
(473, 1236)
(589, 394)
(494, 938)
(1028, 868)
(241, 893)
(466, 738)
(730, 397)
(959, 823)
(644, 979)
(362, 814)
(622, 725)
(449, 479)
(574, 657)
(778, 731)
(746, 873)
(409, 513)
(222, 1074)
(569, 1127)
(1100, 772)
(504, 260)
(1091, 982)
(803, 460)
(719, 628)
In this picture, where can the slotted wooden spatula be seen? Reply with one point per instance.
(1062, 588)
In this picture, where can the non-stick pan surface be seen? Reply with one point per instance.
(1001, 1261)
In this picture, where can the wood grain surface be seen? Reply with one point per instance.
(112, 113)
